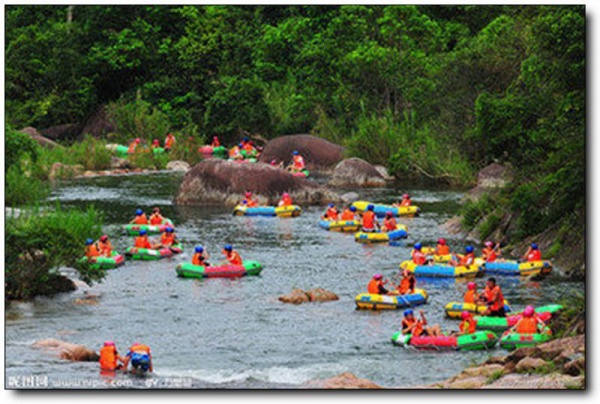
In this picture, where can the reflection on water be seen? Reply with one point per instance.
(234, 333)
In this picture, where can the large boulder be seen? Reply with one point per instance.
(42, 141)
(355, 172)
(98, 124)
(67, 350)
(296, 296)
(67, 131)
(319, 154)
(216, 181)
(345, 380)
(493, 176)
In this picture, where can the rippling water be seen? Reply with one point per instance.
(222, 333)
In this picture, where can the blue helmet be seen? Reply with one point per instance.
(408, 312)
(245, 139)
(139, 212)
(469, 249)
(370, 207)
(228, 247)
(199, 249)
(89, 241)
(417, 246)
(240, 145)
(353, 208)
(143, 232)
(534, 246)
(295, 152)
(169, 230)
(331, 205)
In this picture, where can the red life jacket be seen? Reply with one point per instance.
(369, 220)
(108, 358)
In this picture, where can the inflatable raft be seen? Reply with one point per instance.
(455, 309)
(121, 151)
(390, 302)
(304, 173)
(440, 259)
(501, 324)
(444, 270)
(380, 210)
(477, 341)
(512, 340)
(187, 270)
(147, 254)
(515, 268)
(280, 211)
(111, 262)
(340, 225)
(380, 236)
(134, 229)
(209, 151)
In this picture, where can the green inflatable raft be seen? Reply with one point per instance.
(111, 262)
(513, 340)
(479, 340)
(501, 324)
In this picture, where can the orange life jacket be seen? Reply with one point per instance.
(368, 220)
(373, 286)
(390, 224)
(499, 302)
(418, 257)
(418, 330)
(248, 148)
(108, 358)
(406, 202)
(489, 254)
(234, 152)
(167, 239)
(467, 259)
(105, 248)
(156, 218)
(470, 296)
(442, 249)
(251, 203)
(298, 162)
(534, 255)
(404, 287)
(140, 348)
(132, 147)
(286, 201)
(141, 219)
(234, 258)
(468, 326)
(332, 214)
(527, 325)
(198, 259)
(142, 242)
(91, 251)
(347, 214)
(169, 141)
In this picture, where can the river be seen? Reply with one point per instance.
(221, 333)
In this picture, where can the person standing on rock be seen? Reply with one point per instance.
(369, 220)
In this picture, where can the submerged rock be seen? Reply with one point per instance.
(355, 172)
(67, 350)
(298, 296)
(345, 380)
(319, 154)
(178, 165)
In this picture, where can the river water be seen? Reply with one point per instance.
(220, 333)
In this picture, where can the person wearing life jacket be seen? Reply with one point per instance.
(418, 328)
(142, 241)
(494, 299)
(406, 200)
(169, 141)
(91, 250)
(140, 357)
(408, 283)
(418, 256)
(250, 201)
(349, 213)
(389, 223)
(490, 253)
(464, 260)
(200, 257)
(286, 200)
(468, 325)
(109, 357)
(215, 142)
(331, 213)
(248, 147)
(442, 248)
(471, 293)
(369, 220)
(155, 144)
(297, 162)
(168, 238)
(529, 322)
(375, 286)
(232, 256)
(156, 217)
(235, 152)
(104, 246)
(533, 253)
(133, 145)
(140, 217)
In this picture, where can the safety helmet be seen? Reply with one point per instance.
(169, 230)
(143, 232)
(248, 194)
(488, 244)
(215, 137)
(245, 139)
(228, 247)
(417, 246)
(109, 343)
(471, 285)
(469, 249)
(465, 315)
(442, 241)
(331, 205)
(155, 141)
(353, 208)
(534, 246)
(528, 312)
(199, 249)
(285, 194)
(104, 238)
(89, 241)
(389, 214)
(377, 276)
(139, 212)
(240, 145)
(370, 207)
(406, 196)
(295, 152)
(137, 140)
(408, 312)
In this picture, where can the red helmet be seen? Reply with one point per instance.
(389, 214)
(137, 140)
(471, 285)
(285, 194)
(528, 312)
(248, 194)
(104, 238)
(488, 244)
(377, 276)
(155, 141)
(406, 196)
(442, 241)
(465, 315)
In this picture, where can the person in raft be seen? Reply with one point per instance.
(232, 256)
(215, 142)
(110, 358)
(91, 249)
(529, 322)
(235, 152)
(286, 200)
(470, 296)
(389, 223)
(375, 286)
(169, 141)
(156, 217)
(490, 253)
(442, 248)
(140, 217)
(133, 145)
(349, 213)
(297, 164)
(369, 220)
(418, 328)
(250, 201)
(140, 358)
(104, 246)
(406, 201)
(464, 260)
(155, 144)
(408, 283)
(417, 255)
(533, 253)
(332, 213)
(168, 238)
(200, 257)
(468, 325)
(142, 241)
(494, 299)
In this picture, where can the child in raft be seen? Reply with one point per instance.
(418, 328)
(468, 325)
(91, 249)
(442, 248)
(533, 253)
(104, 246)
(375, 286)
(463, 260)
(232, 256)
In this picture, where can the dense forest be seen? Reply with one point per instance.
(431, 91)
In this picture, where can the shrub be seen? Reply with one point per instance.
(22, 189)
(137, 118)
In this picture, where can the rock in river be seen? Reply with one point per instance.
(319, 154)
(355, 172)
